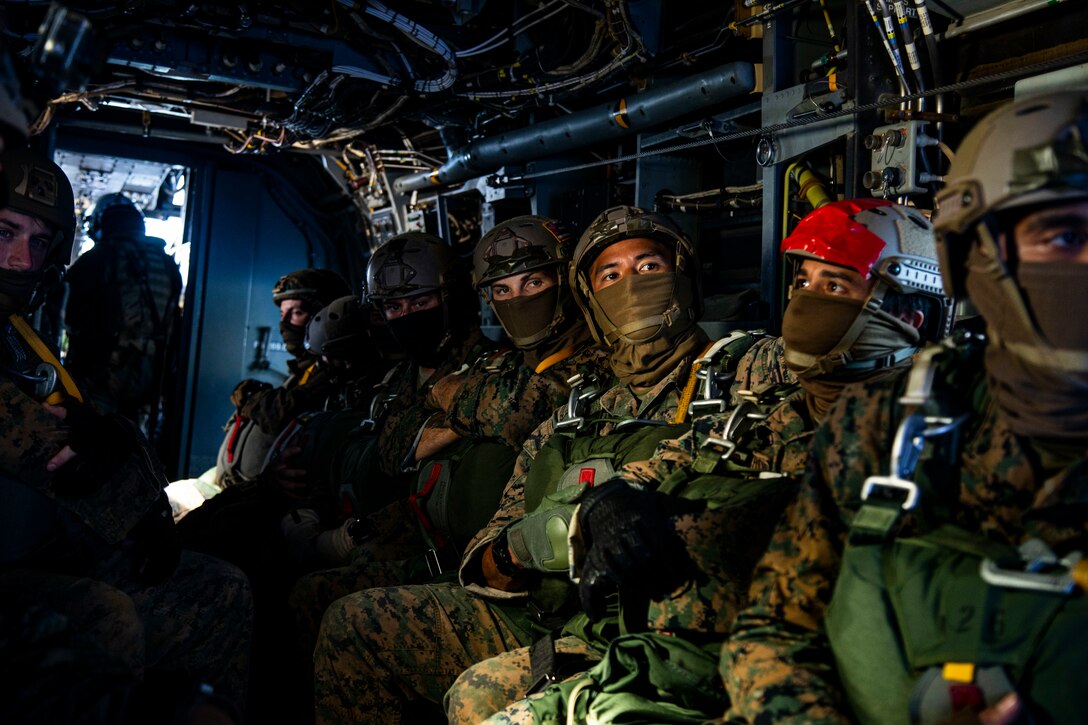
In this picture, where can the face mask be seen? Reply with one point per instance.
(527, 319)
(1052, 291)
(816, 325)
(1038, 368)
(422, 334)
(17, 289)
(294, 338)
(647, 325)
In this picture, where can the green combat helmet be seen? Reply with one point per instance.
(524, 244)
(628, 222)
(315, 287)
(36, 186)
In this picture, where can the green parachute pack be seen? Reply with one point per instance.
(927, 626)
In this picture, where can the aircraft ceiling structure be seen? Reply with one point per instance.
(420, 77)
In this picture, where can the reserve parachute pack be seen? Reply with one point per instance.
(576, 457)
(927, 626)
(247, 448)
(335, 446)
(650, 676)
(242, 453)
(455, 494)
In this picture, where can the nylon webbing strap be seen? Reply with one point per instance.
(239, 421)
(416, 501)
(307, 372)
(554, 359)
(46, 355)
(689, 387)
(542, 663)
(875, 521)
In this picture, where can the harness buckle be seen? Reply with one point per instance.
(47, 380)
(434, 566)
(723, 447)
(582, 392)
(1042, 571)
(873, 483)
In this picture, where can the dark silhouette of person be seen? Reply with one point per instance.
(121, 313)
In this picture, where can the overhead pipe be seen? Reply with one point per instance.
(591, 126)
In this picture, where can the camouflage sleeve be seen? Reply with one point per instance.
(511, 508)
(777, 665)
(33, 436)
(506, 405)
(398, 430)
(273, 409)
(669, 457)
(763, 365)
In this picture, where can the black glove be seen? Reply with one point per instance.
(102, 444)
(245, 390)
(154, 545)
(631, 544)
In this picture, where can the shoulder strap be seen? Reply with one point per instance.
(49, 368)
(753, 409)
(938, 393)
(715, 371)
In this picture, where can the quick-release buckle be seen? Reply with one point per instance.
(721, 447)
(1042, 570)
(47, 379)
(434, 566)
(873, 483)
(725, 445)
(582, 391)
(906, 452)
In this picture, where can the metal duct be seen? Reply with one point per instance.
(591, 126)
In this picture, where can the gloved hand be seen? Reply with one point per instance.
(245, 390)
(631, 544)
(154, 545)
(539, 540)
(102, 444)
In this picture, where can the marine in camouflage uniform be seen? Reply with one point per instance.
(309, 383)
(391, 553)
(728, 461)
(553, 345)
(1015, 473)
(83, 492)
(122, 310)
(382, 651)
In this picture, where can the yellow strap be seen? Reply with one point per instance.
(689, 388)
(46, 355)
(554, 358)
(306, 373)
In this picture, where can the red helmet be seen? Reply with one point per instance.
(873, 237)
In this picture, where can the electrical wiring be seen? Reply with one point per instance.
(512, 34)
(505, 31)
(632, 49)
